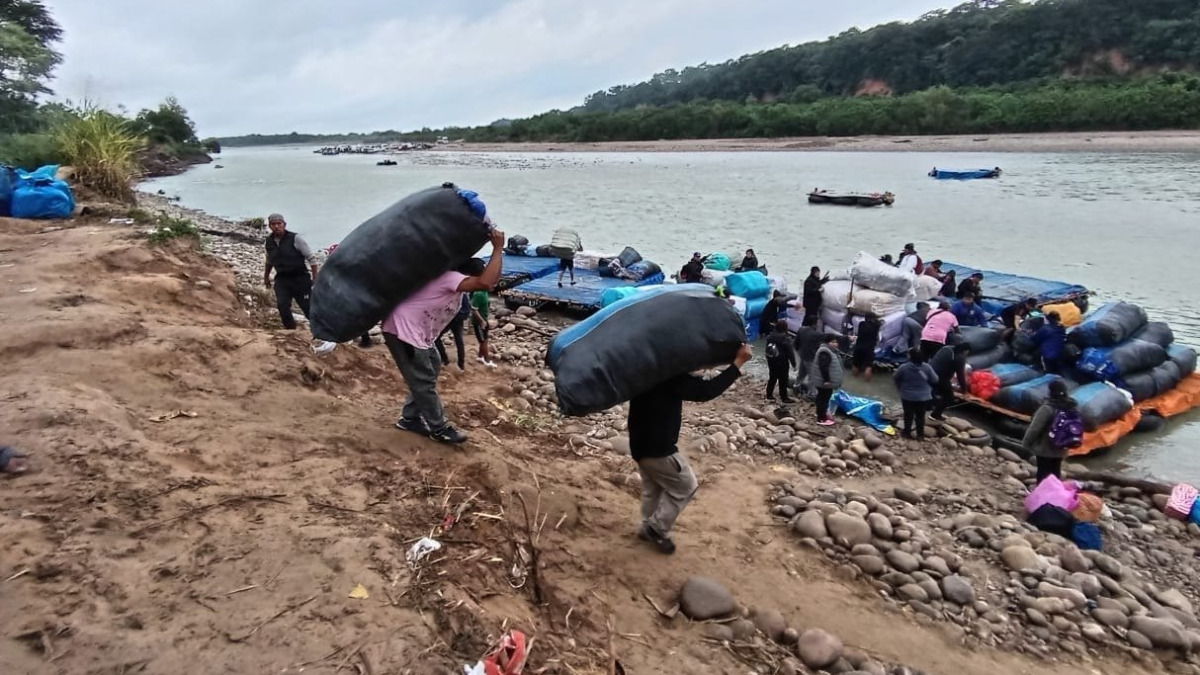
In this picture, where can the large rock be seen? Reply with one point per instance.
(869, 564)
(958, 590)
(702, 598)
(1111, 618)
(818, 649)
(908, 495)
(913, 592)
(1173, 598)
(810, 459)
(1073, 560)
(1023, 559)
(1162, 633)
(905, 562)
(848, 530)
(1087, 584)
(1077, 599)
(880, 525)
(771, 623)
(811, 524)
(1109, 566)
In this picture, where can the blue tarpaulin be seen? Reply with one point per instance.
(865, 409)
(946, 174)
(1001, 290)
(586, 294)
(521, 268)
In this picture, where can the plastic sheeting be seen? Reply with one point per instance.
(1150, 383)
(1158, 332)
(1026, 397)
(979, 338)
(611, 295)
(926, 288)
(718, 261)
(1001, 289)
(1109, 326)
(1131, 356)
(637, 343)
(865, 409)
(41, 195)
(755, 307)
(1100, 403)
(749, 285)
(392, 255)
(989, 358)
(1184, 357)
(867, 270)
(642, 269)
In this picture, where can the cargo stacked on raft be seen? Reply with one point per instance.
(530, 277)
(851, 198)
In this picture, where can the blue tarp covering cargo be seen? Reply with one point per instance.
(969, 174)
(1127, 358)
(519, 269)
(40, 195)
(749, 285)
(1112, 324)
(755, 307)
(862, 408)
(587, 293)
(1001, 290)
(1184, 357)
(611, 295)
(1013, 373)
(1100, 403)
(1025, 397)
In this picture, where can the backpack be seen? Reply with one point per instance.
(1066, 431)
(773, 351)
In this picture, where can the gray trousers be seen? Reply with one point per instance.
(668, 485)
(802, 378)
(420, 368)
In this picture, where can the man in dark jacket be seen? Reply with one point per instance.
(775, 309)
(972, 285)
(948, 363)
(780, 361)
(1051, 341)
(291, 258)
(655, 418)
(812, 292)
(693, 270)
(808, 341)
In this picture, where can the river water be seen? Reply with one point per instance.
(1127, 226)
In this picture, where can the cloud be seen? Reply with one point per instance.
(309, 65)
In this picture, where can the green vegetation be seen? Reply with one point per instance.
(170, 229)
(27, 57)
(103, 148)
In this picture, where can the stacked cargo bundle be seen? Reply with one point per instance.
(1119, 345)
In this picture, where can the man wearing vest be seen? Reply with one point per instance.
(291, 258)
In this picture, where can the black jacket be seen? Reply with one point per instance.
(808, 341)
(656, 416)
(868, 336)
(812, 293)
(692, 272)
(284, 256)
(782, 342)
(947, 364)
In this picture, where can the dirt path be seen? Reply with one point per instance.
(231, 535)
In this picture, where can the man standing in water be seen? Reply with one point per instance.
(413, 327)
(655, 418)
(287, 254)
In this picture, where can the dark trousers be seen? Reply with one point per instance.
(289, 287)
(1049, 466)
(420, 369)
(914, 417)
(778, 373)
(943, 396)
(1052, 366)
(823, 398)
(456, 330)
(929, 348)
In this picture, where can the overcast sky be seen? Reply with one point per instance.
(276, 66)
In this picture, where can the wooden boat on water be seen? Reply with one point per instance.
(386, 162)
(851, 198)
(971, 174)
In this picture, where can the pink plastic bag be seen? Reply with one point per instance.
(1179, 504)
(1054, 492)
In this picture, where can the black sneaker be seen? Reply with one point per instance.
(417, 427)
(448, 435)
(662, 543)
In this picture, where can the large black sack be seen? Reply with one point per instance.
(628, 257)
(391, 256)
(1150, 383)
(517, 244)
(1110, 325)
(1184, 357)
(1025, 397)
(637, 343)
(1157, 332)
(986, 359)
(979, 338)
(1112, 363)
(1100, 403)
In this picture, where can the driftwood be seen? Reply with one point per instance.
(1147, 486)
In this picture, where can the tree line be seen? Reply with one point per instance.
(979, 43)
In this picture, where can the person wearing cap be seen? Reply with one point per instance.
(292, 259)
(693, 271)
(972, 285)
(910, 261)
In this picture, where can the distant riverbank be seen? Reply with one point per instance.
(1100, 141)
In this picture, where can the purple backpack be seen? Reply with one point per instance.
(1066, 431)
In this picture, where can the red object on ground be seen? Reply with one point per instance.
(509, 657)
(983, 384)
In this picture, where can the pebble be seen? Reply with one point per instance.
(908, 495)
(811, 524)
(1161, 633)
(1022, 558)
(810, 459)
(848, 530)
(1109, 565)
(1111, 617)
(818, 649)
(913, 592)
(1073, 560)
(771, 623)
(718, 631)
(905, 562)
(702, 598)
(869, 564)
(958, 590)
(880, 525)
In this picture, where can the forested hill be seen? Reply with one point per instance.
(979, 43)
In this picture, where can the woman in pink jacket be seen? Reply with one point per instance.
(939, 324)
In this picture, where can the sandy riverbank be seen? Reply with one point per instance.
(1103, 141)
(208, 491)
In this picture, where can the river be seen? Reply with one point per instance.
(1127, 226)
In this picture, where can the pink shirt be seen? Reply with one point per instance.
(420, 319)
(938, 325)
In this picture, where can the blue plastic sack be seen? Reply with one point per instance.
(717, 261)
(749, 285)
(40, 195)
(1109, 326)
(1184, 357)
(755, 307)
(1025, 397)
(611, 295)
(1194, 516)
(1100, 403)
(1131, 356)
(1087, 536)
(1013, 373)
(865, 409)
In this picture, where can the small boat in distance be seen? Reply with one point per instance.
(851, 199)
(948, 174)
(386, 162)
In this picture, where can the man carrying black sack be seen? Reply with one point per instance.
(287, 254)
(655, 418)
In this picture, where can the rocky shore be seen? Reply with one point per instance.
(931, 529)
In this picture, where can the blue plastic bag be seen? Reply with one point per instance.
(749, 285)
(8, 180)
(1087, 536)
(865, 409)
(40, 195)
